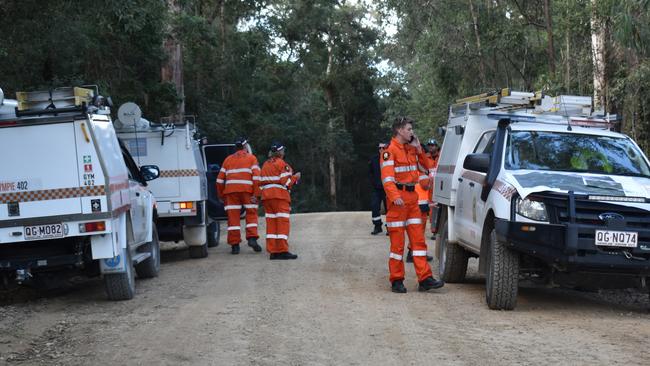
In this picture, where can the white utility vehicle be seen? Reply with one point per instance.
(541, 189)
(72, 200)
(181, 191)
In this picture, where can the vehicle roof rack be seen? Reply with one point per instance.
(53, 101)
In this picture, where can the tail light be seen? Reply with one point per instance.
(94, 226)
(183, 205)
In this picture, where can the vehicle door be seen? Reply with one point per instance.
(470, 187)
(139, 198)
(213, 157)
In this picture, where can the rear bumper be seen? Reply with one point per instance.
(45, 255)
(571, 247)
(14, 231)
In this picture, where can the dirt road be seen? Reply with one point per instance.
(330, 307)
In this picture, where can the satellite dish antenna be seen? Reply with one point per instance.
(129, 114)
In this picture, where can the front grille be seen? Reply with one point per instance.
(587, 212)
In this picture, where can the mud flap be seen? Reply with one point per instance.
(110, 245)
(116, 264)
(194, 235)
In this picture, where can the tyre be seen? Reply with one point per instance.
(452, 258)
(121, 286)
(150, 267)
(502, 280)
(213, 231)
(199, 251)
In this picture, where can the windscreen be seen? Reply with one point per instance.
(556, 151)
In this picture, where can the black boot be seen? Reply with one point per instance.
(398, 287)
(376, 230)
(283, 256)
(234, 249)
(430, 284)
(252, 242)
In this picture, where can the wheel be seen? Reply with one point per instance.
(213, 232)
(150, 267)
(199, 251)
(121, 286)
(452, 258)
(502, 280)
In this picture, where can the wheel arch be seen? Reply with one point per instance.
(488, 225)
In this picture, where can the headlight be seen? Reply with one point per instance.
(533, 210)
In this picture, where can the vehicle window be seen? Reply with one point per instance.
(557, 151)
(132, 167)
(485, 143)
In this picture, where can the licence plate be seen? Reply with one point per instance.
(44, 231)
(609, 238)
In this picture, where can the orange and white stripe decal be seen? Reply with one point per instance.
(53, 194)
(504, 189)
(179, 173)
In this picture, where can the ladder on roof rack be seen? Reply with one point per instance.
(507, 100)
(503, 96)
(54, 101)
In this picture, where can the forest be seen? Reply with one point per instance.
(327, 77)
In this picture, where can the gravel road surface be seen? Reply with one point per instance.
(332, 306)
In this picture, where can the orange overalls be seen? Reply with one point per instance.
(433, 204)
(238, 181)
(423, 200)
(400, 175)
(276, 181)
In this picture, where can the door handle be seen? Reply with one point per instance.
(460, 179)
(471, 184)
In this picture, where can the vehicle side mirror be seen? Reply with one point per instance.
(477, 162)
(150, 172)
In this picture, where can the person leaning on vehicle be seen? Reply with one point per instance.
(400, 174)
(238, 185)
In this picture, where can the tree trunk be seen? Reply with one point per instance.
(567, 61)
(329, 96)
(549, 34)
(599, 54)
(478, 44)
(222, 28)
(172, 69)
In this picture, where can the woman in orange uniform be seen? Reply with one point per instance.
(277, 178)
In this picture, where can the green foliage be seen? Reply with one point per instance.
(305, 71)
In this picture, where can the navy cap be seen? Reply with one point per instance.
(277, 146)
(241, 141)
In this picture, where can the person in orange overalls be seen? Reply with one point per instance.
(424, 191)
(238, 186)
(433, 151)
(276, 182)
(400, 174)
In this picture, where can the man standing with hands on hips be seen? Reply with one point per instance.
(400, 175)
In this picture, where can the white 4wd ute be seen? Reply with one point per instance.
(72, 200)
(181, 191)
(540, 188)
